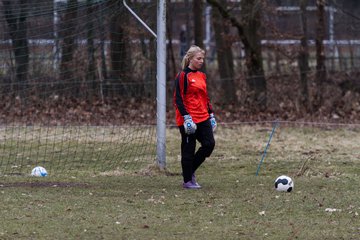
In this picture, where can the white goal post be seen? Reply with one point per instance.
(161, 79)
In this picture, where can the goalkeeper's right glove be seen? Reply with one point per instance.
(189, 125)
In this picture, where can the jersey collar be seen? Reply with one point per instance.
(187, 69)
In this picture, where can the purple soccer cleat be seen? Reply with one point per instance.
(193, 180)
(190, 185)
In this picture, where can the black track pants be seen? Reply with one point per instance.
(191, 160)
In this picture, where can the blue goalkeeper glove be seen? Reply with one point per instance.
(189, 125)
(213, 122)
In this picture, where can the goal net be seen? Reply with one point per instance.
(78, 86)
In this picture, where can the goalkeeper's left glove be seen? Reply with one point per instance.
(213, 122)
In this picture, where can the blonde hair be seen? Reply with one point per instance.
(193, 50)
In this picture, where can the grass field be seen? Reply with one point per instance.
(234, 203)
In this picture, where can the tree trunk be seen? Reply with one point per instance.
(90, 74)
(119, 49)
(248, 33)
(224, 57)
(304, 58)
(188, 36)
(170, 49)
(251, 18)
(320, 53)
(103, 69)
(18, 33)
(68, 46)
(198, 23)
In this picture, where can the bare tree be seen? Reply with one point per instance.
(320, 52)
(248, 31)
(16, 14)
(170, 48)
(224, 56)
(103, 73)
(198, 23)
(304, 57)
(251, 19)
(119, 47)
(90, 75)
(68, 45)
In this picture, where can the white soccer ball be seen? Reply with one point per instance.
(39, 172)
(284, 184)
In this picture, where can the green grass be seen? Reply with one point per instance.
(233, 203)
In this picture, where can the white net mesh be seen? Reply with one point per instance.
(77, 88)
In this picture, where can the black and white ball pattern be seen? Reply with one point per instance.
(284, 184)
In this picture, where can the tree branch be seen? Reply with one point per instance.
(226, 15)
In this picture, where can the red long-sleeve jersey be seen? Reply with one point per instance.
(191, 96)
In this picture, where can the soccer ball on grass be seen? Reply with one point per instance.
(284, 184)
(39, 172)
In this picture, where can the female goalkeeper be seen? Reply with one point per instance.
(194, 115)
